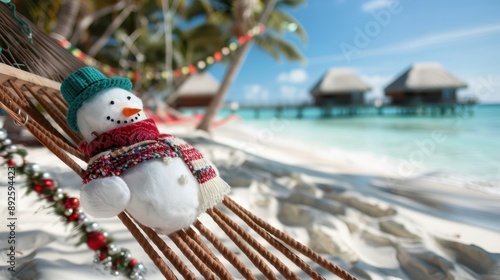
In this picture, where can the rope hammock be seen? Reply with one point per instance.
(22, 93)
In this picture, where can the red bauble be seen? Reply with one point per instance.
(11, 162)
(96, 240)
(132, 262)
(49, 184)
(73, 217)
(71, 203)
(103, 255)
(38, 188)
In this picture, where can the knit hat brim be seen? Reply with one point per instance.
(93, 89)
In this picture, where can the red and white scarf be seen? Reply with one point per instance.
(120, 149)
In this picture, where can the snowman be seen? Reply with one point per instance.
(161, 180)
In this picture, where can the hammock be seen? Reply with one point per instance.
(20, 90)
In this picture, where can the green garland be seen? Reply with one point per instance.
(118, 261)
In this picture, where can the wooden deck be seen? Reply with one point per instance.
(298, 110)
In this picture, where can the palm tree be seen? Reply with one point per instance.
(235, 19)
(66, 19)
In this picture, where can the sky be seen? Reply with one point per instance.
(378, 39)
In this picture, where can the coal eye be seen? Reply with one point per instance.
(112, 102)
(128, 97)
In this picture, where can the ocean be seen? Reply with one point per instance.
(464, 149)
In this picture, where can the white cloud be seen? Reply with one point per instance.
(374, 5)
(293, 94)
(414, 44)
(485, 88)
(377, 83)
(295, 76)
(288, 92)
(256, 93)
(441, 38)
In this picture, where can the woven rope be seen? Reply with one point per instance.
(241, 212)
(153, 255)
(56, 115)
(256, 260)
(38, 131)
(284, 250)
(228, 254)
(60, 113)
(206, 258)
(44, 57)
(169, 254)
(223, 273)
(282, 268)
(22, 101)
(31, 110)
(186, 250)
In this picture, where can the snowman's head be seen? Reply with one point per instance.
(109, 109)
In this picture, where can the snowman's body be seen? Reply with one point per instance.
(156, 191)
(149, 190)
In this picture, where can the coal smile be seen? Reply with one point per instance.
(124, 121)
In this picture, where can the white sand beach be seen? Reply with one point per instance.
(341, 206)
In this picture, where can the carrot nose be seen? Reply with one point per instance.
(127, 111)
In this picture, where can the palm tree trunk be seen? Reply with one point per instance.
(66, 19)
(232, 71)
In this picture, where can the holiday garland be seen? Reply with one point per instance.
(157, 75)
(118, 261)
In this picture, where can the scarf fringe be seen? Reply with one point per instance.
(212, 193)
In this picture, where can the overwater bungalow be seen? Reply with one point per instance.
(197, 91)
(339, 87)
(424, 84)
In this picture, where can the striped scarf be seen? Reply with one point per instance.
(122, 148)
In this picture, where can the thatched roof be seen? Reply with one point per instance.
(339, 81)
(199, 84)
(425, 76)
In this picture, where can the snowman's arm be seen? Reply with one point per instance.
(105, 197)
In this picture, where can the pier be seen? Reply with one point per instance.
(299, 111)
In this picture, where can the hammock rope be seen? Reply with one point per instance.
(21, 24)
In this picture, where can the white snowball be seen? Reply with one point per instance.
(105, 197)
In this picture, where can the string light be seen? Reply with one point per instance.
(155, 75)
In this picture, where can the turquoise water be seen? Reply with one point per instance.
(464, 147)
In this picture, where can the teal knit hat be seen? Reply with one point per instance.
(82, 85)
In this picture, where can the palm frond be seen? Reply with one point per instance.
(280, 21)
(290, 3)
(289, 50)
(267, 46)
(277, 47)
(205, 34)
